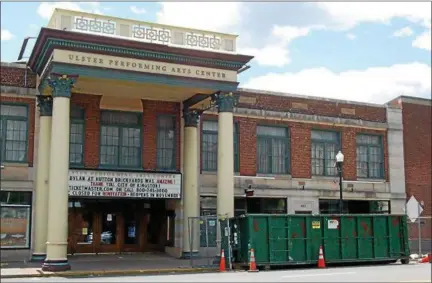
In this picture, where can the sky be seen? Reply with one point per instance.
(360, 51)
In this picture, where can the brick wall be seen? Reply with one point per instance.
(13, 76)
(300, 146)
(151, 109)
(417, 153)
(313, 107)
(92, 127)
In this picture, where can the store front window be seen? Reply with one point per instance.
(15, 219)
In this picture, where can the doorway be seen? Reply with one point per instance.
(115, 226)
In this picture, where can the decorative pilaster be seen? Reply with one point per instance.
(56, 259)
(190, 187)
(42, 176)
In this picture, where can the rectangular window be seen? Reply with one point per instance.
(76, 141)
(166, 143)
(272, 150)
(370, 157)
(325, 146)
(120, 139)
(15, 219)
(209, 145)
(13, 133)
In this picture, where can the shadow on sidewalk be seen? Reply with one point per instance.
(141, 261)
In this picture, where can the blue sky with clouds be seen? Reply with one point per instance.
(360, 51)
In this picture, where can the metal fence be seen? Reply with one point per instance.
(205, 242)
(420, 235)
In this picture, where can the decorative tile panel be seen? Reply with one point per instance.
(142, 31)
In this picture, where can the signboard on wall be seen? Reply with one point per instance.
(94, 183)
(139, 65)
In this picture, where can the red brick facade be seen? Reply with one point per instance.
(300, 146)
(151, 109)
(314, 107)
(90, 103)
(300, 133)
(12, 76)
(417, 153)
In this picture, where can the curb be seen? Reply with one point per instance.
(101, 273)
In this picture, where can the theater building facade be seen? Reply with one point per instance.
(115, 133)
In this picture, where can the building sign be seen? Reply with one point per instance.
(137, 65)
(92, 183)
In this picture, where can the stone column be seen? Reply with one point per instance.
(42, 174)
(190, 185)
(225, 164)
(56, 258)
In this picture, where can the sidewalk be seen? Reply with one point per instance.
(110, 265)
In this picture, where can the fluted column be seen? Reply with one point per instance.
(190, 185)
(42, 174)
(56, 258)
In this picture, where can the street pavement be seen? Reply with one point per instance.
(381, 273)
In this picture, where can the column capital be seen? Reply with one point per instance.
(225, 102)
(61, 85)
(191, 118)
(45, 104)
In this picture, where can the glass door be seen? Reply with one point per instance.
(131, 230)
(109, 232)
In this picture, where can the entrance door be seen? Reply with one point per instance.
(114, 226)
(156, 225)
(131, 230)
(109, 231)
(82, 236)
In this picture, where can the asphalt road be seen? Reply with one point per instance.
(382, 273)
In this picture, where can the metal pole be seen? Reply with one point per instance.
(206, 219)
(340, 190)
(190, 227)
(229, 245)
(419, 230)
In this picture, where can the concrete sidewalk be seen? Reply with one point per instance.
(110, 265)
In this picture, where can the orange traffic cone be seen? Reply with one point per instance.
(222, 265)
(252, 263)
(321, 261)
(425, 259)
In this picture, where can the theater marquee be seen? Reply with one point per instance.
(137, 65)
(108, 184)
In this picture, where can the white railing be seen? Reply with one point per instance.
(142, 31)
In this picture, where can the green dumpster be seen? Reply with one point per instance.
(296, 239)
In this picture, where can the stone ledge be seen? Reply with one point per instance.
(316, 98)
(18, 90)
(304, 118)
